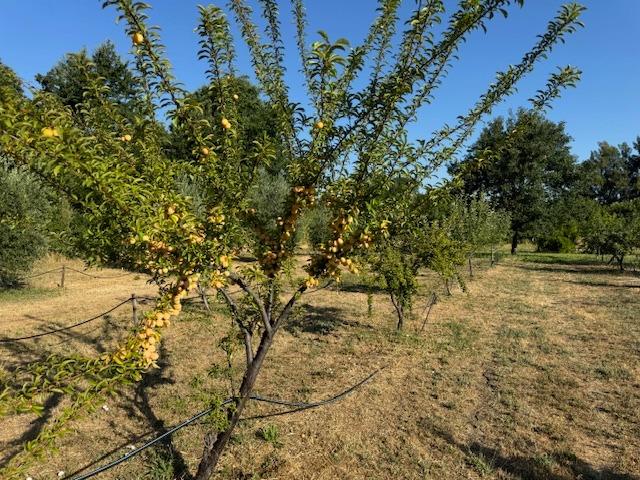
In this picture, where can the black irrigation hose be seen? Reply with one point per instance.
(150, 443)
(69, 327)
(299, 407)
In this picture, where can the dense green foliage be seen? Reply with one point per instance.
(524, 163)
(30, 219)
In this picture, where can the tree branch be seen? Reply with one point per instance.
(256, 299)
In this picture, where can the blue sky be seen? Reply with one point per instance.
(35, 34)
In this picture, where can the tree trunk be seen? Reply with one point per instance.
(621, 262)
(514, 243)
(399, 311)
(215, 444)
(493, 258)
(470, 267)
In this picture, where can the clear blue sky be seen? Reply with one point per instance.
(35, 34)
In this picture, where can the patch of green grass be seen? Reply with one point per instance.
(507, 332)
(159, 464)
(481, 464)
(561, 258)
(609, 371)
(270, 434)
(28, 294)
(459, 336)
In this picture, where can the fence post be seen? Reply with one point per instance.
(134, 308)
(62, 276)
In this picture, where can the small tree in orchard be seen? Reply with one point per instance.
(614, 230)
(481, 226)
(347, 150)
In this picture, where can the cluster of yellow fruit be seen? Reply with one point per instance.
(126, 137)
(149, 335)
(50, 132)
(226, 124)
(302, 196)
(311, 282)
(333, 257)
(196, 238)
(216, 217)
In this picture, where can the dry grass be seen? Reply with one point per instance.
(532, 374)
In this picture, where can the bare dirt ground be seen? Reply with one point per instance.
(534, 373)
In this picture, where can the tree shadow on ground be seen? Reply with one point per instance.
(591, 283)
(583, 269)
(359, 288)
(141, 409)
(10, 449)
(143, 394)
(555, 466)
(318, 320)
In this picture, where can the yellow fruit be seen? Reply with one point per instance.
(340, 241)
(126, 138)
(225, 124)
(49, 132)
(205, 151)
(171, 210)
(319, 124)
(145, 238)
(132, 240)
(235, 96)
(137, 38)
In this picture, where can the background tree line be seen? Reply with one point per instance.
(523, 165)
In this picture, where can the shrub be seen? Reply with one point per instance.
(29, 218)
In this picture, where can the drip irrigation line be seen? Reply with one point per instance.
(150, 443)
(69, 327)
(299, 406)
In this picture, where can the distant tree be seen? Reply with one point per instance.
(611, 174)
(524, 162)
(632, 160)
(614, 230)
(68, 79)
(604, 175)
(561, 226)
(255, 115)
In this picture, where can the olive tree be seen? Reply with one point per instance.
(346, 150)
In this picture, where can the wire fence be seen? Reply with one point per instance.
(298, 407)
(64, 268)
(133, 299)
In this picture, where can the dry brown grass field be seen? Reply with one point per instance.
(533, 373)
